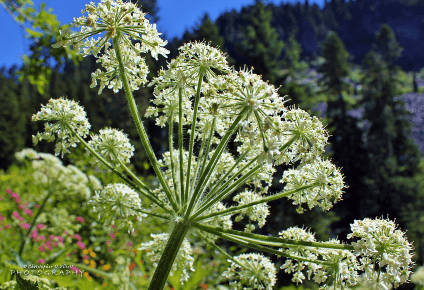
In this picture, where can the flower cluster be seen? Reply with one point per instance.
(69, 116)
(251, 271)
(383, 246)
(135, 66)
(118, 200)
(123, 22)
(68, 179)
(339, 267)
(113, 145)
(321, 181)
(255, 213)
(183, 260)
(308, 135)
(113, 19)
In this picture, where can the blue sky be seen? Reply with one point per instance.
(175, 17)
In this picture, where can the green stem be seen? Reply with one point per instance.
(123, 177)
(227, 191)
(139, 125)
(193, 131)
(214, 160)
(141, 183)
(40, 210)
(171, 154)
(235, 209)
(168, 256)
(272, 241)
(263, 248)
(180, 143)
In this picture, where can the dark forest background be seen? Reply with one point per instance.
(357, 64)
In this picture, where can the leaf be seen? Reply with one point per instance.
(25, 284)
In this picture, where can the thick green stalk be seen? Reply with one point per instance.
(168, 256)
(139, 125)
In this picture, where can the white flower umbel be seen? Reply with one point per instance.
(325, 181)
(255, 213)
(66, 114)
(294, 266)
(251, 271)
(111, 19)
(135, 67)
(113, 145)
(184, 258)
(386, 253)
(118, 200)
(307, 134)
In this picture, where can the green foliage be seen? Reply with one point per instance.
(259, 45)
(334, 69)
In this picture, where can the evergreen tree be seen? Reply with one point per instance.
(392, 155)
(259, 45)
(334, 70)
(12, 122)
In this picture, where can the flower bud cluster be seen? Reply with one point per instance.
(118, 200)
(67, 115)
(251, 271)
(113, 145)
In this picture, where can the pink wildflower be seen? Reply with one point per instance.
(78, 237)
(40, 226)
(56, 244)
(75, 269)
(41, 261)
(86, 257)
(43, 238)
(81, 245)
(28, 212)
(129, 244)
(8, 191)
(51, 237)
(110, 250)
(41, 248)
(79, 219)
(34, 234)
(7, 226)
(16, 197)
(25, 226)
(112, 235)
(1, 217)
(60, 239)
